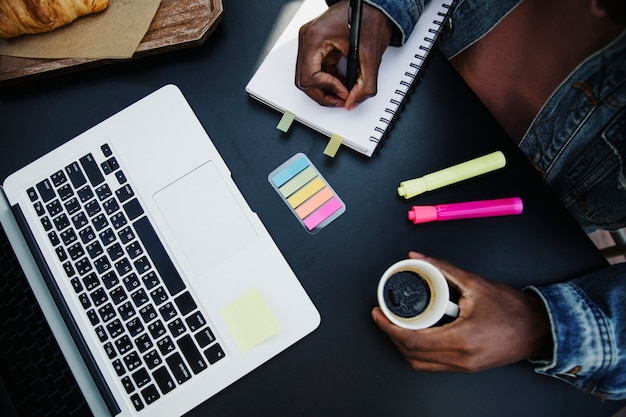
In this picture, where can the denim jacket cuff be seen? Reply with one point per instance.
(583, 348)
(404, 14)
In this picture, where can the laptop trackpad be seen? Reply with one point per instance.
(207, 221)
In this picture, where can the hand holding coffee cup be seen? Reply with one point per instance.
(414, 294)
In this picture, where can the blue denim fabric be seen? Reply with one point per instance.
(578, 142)
(588, 317)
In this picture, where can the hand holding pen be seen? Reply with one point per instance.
(325, 40)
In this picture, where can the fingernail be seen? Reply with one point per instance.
(413, 254)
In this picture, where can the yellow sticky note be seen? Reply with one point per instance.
(285, 121)
(333, 145)
(250, 320)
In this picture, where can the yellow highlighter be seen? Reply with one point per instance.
(453, 174)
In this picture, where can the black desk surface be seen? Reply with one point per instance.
(346, 367)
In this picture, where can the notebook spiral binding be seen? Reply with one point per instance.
(408, 82)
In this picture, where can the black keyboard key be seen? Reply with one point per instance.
(45, 190)
(150, 394)
(106, 150)
(92, 170)
(91, 281)
(134, 326)
(159, 296)
(54, 238)
(110, 279)
(118, 220)
(119, 367)
(156, 329)
(191, 354)
(150, 280)
(118, 295)
(142, 264)
(115, 251)
(141, 377)
(205, 337)
(69, 269)
(61, 222)
(196, 321)
(110, 350)
(107, 236)
(106, 312)
(214, 353)
(124, 193)
(131, 282)
(76, 175)
(72, 206)
(147, 313)
(78, 287)
(152, 359)
(102, 335)
(163, 380)
(85, 194)
(128, 385)
(65, 191)
(68, 237)
(121, 178)
(79, 220)
(178, 368)
(75, 251)
(103, 192)
(123, 266)
(58, 178)
(39, 208)
(54, 208)
(126, 310)
(110, 206)
(115, 329)
(168, 312)
(100, 222)
(83, 266)
(134, 250)
(143, 342)
(32, 194)
(137, 402)
(123, 345)
(87, 235)
(99, 297)
(61, 254)
(177, 328)
(139, 297)
(161, 259)
(133, 209)
(132, 361)
(166, 346)
(126, 235)
(45, 222)
(93, 317)
(94, 249)
(102, 264)
(92, 208)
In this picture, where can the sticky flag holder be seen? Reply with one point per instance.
(307, 194)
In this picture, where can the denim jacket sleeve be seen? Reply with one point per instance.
(588, 317)
(403, 13)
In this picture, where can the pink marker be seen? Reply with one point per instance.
(468, 210)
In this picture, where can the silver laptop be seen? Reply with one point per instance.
(161, 285)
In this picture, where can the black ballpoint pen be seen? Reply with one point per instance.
(352, 71)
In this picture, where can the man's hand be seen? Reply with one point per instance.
(497, 325)
(324, 40)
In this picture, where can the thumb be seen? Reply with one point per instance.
(456, 276)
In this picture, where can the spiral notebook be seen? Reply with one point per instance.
(363, 128)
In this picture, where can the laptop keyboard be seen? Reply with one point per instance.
(149, 324)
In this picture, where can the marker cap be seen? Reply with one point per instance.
(411, 188)
(423, 214)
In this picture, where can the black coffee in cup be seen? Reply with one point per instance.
(406, 294)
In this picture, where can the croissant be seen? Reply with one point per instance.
(19, 17)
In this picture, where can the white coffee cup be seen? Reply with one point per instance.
(414, 294)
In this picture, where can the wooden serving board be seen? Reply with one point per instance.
(177, 24)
